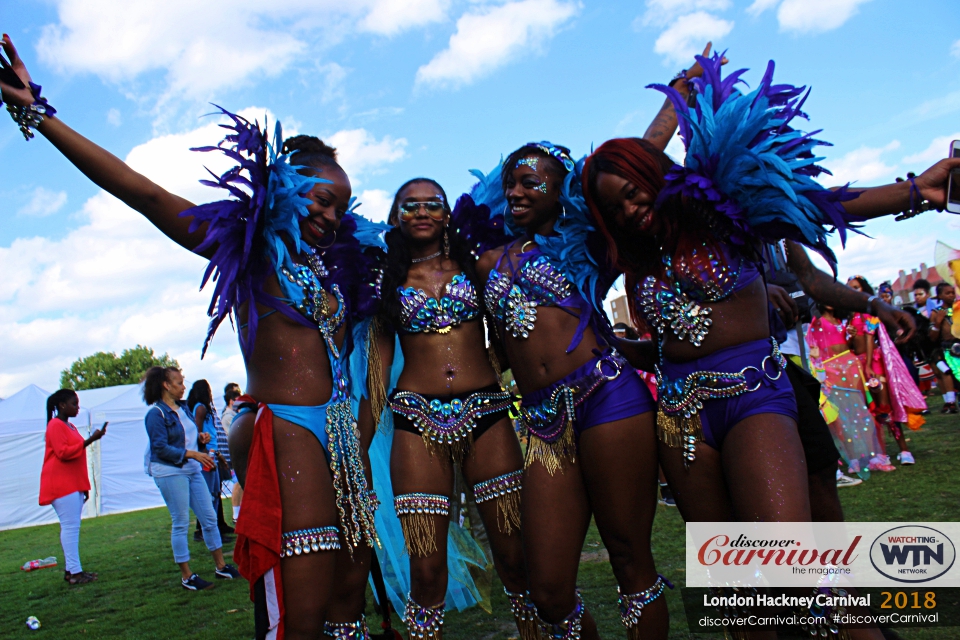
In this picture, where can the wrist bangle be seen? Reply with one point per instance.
(870, 303)
(917, 204)
(31, 116)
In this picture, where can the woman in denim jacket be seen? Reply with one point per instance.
(176, 466)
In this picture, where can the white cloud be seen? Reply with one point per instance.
(955, 49)
(809, 16)
(863, 166)
(114, 118)
(115, 281)
(938, 150)
(43, 202)
(759, 6)
(207, 46)
(359, 152)
(663, 12)
(490, 37)
(375, 204)
(686, 36)
(390, 17)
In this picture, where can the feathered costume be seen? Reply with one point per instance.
(746, 160)
(255, 235)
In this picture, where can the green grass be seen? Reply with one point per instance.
(138, 595)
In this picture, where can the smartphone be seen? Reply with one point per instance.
(953, 182)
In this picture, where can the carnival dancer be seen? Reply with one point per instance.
(885, 374)
(686, 239)
(588, 414)
(843, 397)
(270, 256)
(447, 406)
(944, 334)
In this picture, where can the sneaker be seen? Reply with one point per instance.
(905, 457)
(847, 481)
(949, 407)
(229, 572)
(666, 496)
(196, 583)
(879, 464)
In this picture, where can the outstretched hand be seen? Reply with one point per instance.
(14, 77)
(893, 316)
(696, 70)
(932, 183)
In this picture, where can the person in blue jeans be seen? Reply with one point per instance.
(176, 466)
(200, 404)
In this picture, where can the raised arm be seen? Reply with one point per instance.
(931, 185)
(823, 288)
(111, 174)
(664, 125)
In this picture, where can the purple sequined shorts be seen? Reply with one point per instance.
(608, 398)
(719, 415)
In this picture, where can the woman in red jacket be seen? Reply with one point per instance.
(63, 480)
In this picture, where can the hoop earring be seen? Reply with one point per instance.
(331, 243)
(446, 242)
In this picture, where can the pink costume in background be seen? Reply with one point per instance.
(904, 393)
(842, 397)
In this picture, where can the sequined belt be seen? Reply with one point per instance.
(680, 399)
(448, 423)
(548, 418)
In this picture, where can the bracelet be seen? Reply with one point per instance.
(30, 117)
(691, 87)
(870, 303)
(918, 204)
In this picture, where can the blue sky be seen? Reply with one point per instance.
(423, 87)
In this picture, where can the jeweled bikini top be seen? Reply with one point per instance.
(419, 313)
(513, 297)
(675, 300)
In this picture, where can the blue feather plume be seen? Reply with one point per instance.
(745, 158)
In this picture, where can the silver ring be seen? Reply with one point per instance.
(743, 372)
(763, 366)
(615, 364)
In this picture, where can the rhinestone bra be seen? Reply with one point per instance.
(513, 300)
(676, 301)
(419, 313)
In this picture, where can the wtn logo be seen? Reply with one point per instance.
(912, 554)
(900, 554)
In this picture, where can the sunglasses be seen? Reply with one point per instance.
(433, 209)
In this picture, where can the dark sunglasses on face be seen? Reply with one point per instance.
(433, 209)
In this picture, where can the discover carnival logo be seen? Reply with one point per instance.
(912, 553)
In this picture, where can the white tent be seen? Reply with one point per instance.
(115, 463)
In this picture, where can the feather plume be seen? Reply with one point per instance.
(745, 158)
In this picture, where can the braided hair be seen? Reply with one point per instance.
(62, 395)
(310, 151)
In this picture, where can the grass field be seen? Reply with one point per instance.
(138, 594)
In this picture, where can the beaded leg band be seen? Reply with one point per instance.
(304, 541)
(525, 614)
(567, 629)
(416, 512)
(631, 605)
(505, 490)
(347, 630)
(423, 623)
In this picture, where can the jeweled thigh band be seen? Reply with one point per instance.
(505, 490)
(448, 424)
(304, 541)
(680, 399)
(416, 512)
(550, 421)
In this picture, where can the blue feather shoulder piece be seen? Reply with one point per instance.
(478, 216)
(575, 247)
(354, 263)
(747, 161)
(265, 200)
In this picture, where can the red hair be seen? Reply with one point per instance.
(639, 162)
